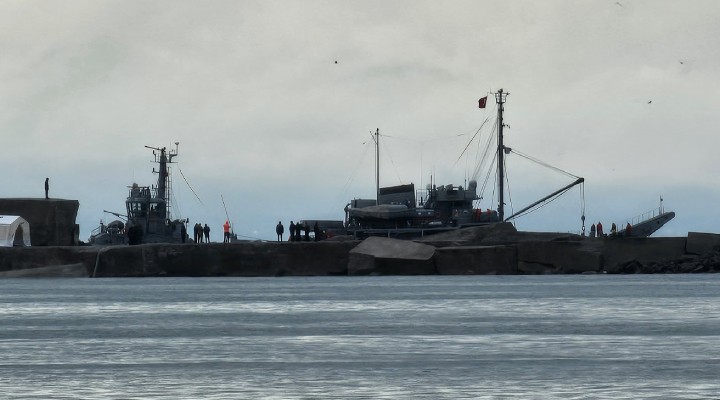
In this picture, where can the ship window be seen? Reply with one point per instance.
(138, 209)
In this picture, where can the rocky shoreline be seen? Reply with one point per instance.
(497, 250)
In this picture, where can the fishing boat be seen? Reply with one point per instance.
(148, 217)
(404, 212)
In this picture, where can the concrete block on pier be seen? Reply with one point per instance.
(386, 256)
(701, 243)
(618, 252)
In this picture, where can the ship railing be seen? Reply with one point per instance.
(110, 229)
(638, 219)
(143, 192)
(100, 229)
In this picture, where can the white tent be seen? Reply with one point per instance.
(14, 231)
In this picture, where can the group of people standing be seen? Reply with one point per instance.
(297, 230)
(598, 230)
(201, 232)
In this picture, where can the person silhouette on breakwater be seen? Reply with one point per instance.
(47, 187)
(199, 233)
(298, 232)
(206, 231)
(226, 232)
(292, 231)
(279, 229)
(316, 230)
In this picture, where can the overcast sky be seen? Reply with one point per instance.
(273, 103)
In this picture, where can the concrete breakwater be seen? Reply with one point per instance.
(52, 221)
(499, 249)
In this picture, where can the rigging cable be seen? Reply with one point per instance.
(188, 183)
(544, 203)
(548, 201)
(226, 213)
(422, 143)
(250, 237)
(392, 162)
(582, 206)
(486, 180)
(471, 139)
(507, 180)
(357, 167)
(425, 140)
(544, 164)
(483, 160)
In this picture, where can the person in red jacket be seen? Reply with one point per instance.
(226, 232)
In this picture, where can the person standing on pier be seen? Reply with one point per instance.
(292, 231)
(316, 230)
(47, 187)
(206, 230)
(226, 232)
(279, 229)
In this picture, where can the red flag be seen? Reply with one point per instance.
(482, 102)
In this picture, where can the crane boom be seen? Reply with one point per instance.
(553, 194)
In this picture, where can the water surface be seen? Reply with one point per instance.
(437, 337)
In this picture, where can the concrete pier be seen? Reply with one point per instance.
(474, 251)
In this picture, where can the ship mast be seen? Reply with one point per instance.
(376, 138)
(500, 100)
(163, 183)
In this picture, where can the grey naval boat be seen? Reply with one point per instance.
(148, 217)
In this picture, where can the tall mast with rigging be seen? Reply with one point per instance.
(377, 163)
(500, 100)
(164, 186)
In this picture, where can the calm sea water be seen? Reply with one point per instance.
(506, 337)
